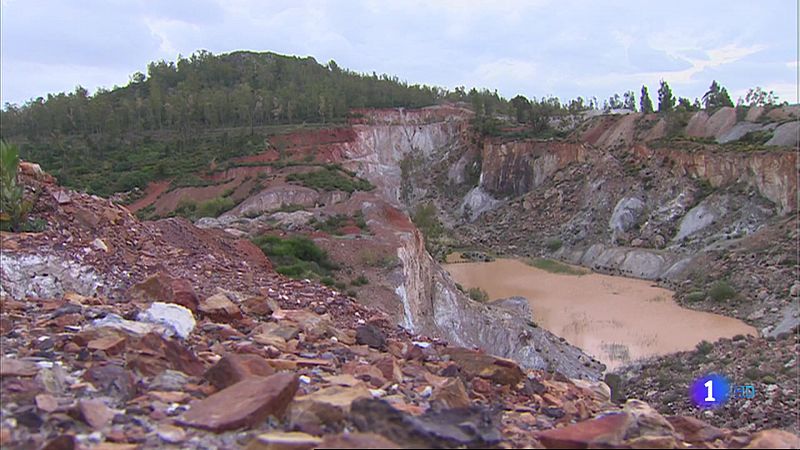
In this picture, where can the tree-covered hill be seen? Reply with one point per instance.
(181, 115)
(210, 91)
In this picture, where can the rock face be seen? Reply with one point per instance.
(513, 168)
(385, 138)
(273, 198)
(24, 275)
(433, 305)
(476, 202)
(773, 174)
(626, 214)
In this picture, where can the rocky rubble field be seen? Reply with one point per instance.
(120, 334)
(769, 365)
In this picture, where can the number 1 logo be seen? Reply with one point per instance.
(710, 385)
(710, 391)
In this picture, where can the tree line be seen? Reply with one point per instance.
(175, 118)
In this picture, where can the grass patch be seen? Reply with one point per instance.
(704, 347)
(334, 224)
(331, 179)
(209, 208)
(360, 281)
(553, 244)
(695, 296)
(297, 257)
(478, 294)
(554, 266)
(721, 291)
(373, 258)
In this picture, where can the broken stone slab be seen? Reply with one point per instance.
(169, 380)
(131, 326)
(46, 402)
(356, 441)
(171, 434)
(694, 430)
(234, 368)
(774, 439)
(178, 319)
(220, 308)
(95, 413)
(451, 394)
(372, 336)
(278, 440)
(244, 404)
(475, 363)
(17, 368)
(474, 427)
(646, 420)
(112, 380)
(315, 326)
(389, 368)
(259, 306)
(163, 288)
(603, 432)
(325, 407)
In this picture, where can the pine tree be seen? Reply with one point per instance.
(666, 101)
(645, 103)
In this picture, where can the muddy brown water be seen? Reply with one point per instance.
(617, 320)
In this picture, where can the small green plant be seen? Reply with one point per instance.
(296, 257)
(331, 179)
(752, 374)
(327, 281)
(704, 347)
(553, 244)
(13, 206)
(721, 291)
(215, 207)
(478, 294)
(373, 258)
(362, 280)
(695, 296)
(555, 266)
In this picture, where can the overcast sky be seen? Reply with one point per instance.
(532, 47)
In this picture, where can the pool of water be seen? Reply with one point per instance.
(617, 320)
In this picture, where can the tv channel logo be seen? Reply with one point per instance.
(714, 390)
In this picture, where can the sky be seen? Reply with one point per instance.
(537, 48)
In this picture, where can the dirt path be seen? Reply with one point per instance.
(152, 192)
(615, 319)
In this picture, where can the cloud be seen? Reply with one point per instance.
(533, 47)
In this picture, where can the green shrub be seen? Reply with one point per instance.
(695, 296)
(752, 374)
(478, 294)
(373, 258)
(704, 347)
(555, 266)
(360, 281)
(214, 207)
(296, 257)
(13, 206)
(331, 179)
(721, 291)
(327, 281)
(553, 244)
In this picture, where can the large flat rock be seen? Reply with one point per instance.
(244, 404)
